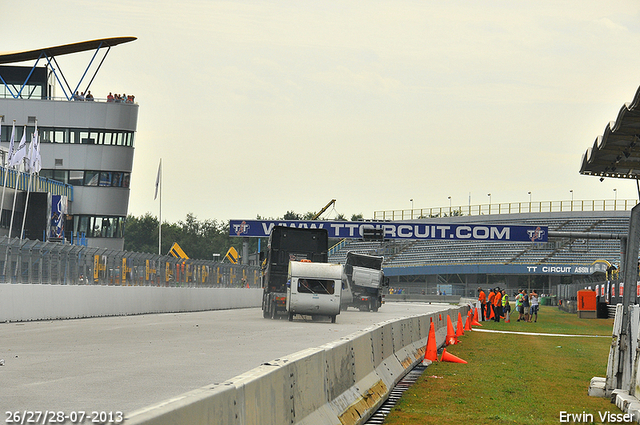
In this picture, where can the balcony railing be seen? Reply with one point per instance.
(20, 181)
(507, 208)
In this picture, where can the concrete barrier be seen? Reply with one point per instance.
(342, 382)
(24, 302)
(624, 388)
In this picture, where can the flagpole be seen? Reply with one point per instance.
(15, 193)
(159, 188)
(26, 203)
(31, 166)
(13, 210)
(14, 163)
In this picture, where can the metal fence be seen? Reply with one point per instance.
(29, 261)
(609, 291)
(507, 208)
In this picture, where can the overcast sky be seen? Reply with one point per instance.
(260, 107)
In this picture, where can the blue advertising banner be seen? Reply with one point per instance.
(398, 230)
(58, 211)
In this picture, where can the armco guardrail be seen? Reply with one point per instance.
(342, 382)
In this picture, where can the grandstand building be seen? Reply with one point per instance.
(87, 145)
(436, 267)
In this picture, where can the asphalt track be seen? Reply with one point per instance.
(125, 363)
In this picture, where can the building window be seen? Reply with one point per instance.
(116, 180)
(105, 178)
(61, 176)
(98, 226)
(67, 135)
(89, 178)
(76, 178)
(60, 136)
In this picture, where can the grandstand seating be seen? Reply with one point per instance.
(556, 251)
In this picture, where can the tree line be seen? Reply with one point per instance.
(199, 239)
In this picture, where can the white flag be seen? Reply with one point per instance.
(35, 163)
(21, 152)
(158, 179)
(11, 143)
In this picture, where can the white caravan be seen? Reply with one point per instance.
(314, 289)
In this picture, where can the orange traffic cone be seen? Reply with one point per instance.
(448, 357)
(475, 322)
(431, 351)
(451, 335)
(467, 324)
(459, 330)
(507, 318)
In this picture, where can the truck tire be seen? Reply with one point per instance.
(273, 311)
(333, 319)
(374, 306)
(291, 317)
(265, 313)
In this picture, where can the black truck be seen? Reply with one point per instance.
(288, 244)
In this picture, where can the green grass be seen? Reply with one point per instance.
(515, 379)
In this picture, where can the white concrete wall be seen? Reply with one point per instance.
(623, 389)
(23, 302)
(343, 382)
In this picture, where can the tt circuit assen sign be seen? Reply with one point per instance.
(397, 230)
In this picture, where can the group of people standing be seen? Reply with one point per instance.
(82, 97)
(527, 305)
(117, 98)
(495, 305)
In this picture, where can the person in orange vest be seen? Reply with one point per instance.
(497, 305)
(490, 304)
(482, 297)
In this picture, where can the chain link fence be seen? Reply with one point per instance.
(29, 261)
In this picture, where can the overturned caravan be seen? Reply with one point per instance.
(365, 283)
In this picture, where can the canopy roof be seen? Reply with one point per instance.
(65, 49)
(617, 152)
(49, 54)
